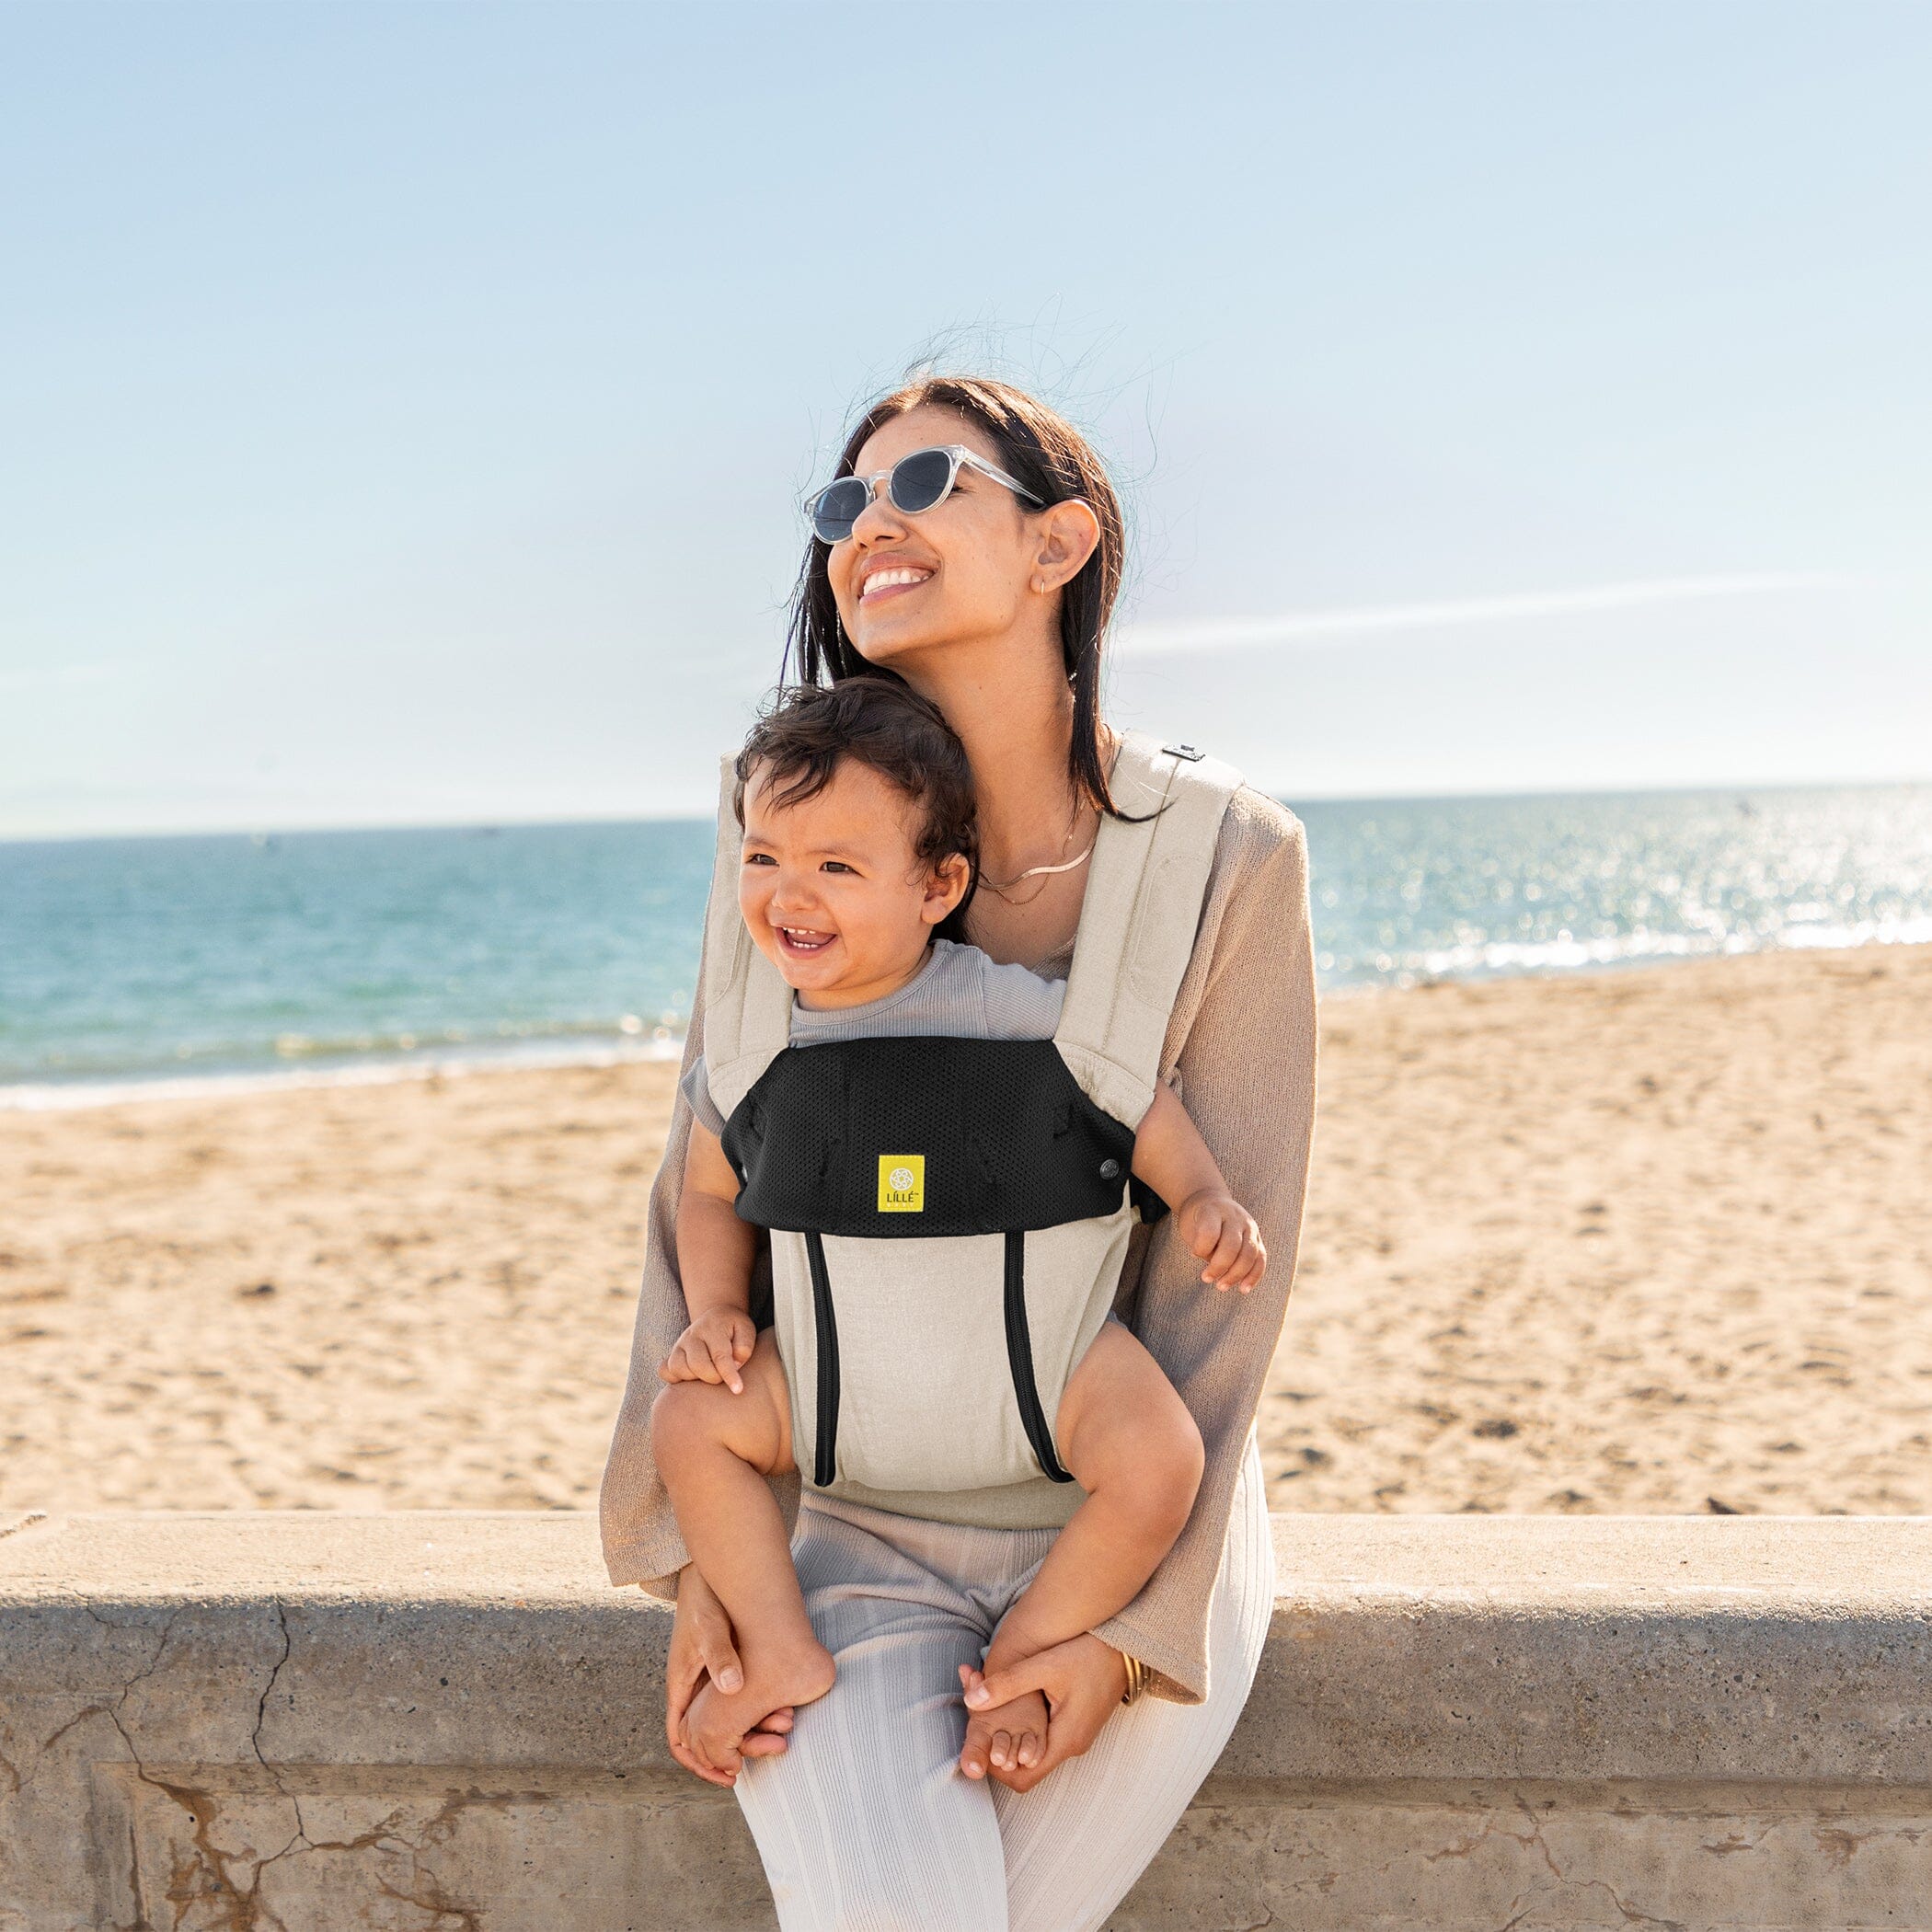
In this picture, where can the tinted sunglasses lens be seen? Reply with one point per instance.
(921, 480)
(837, 507)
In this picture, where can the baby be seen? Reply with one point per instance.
(858, 841)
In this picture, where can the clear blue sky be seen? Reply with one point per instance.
(402, 408)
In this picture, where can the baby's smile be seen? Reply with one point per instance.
(803, 941)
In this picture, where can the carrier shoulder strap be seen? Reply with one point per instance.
(747, 1002)
(1142, 909)
(1138, 921)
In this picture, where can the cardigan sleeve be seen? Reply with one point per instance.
(1243, 1039)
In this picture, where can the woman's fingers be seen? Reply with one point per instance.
(701, 1648)
(1002, 1686)
(710, 1628)
(683, 1672)
(714, 1643)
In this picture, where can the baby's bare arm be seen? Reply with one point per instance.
(715, 1253)
(1171, 1157)
(715, 1249)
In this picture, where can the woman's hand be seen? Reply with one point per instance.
(1083, 1681)
(701, 1647)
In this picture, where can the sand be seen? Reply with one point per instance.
(1650, 1241)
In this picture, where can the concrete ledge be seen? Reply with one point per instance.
(416, 1722)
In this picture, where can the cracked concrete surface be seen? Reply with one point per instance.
(450, 1723)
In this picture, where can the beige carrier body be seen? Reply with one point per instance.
(949, 1217)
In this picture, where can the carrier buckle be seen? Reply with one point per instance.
(1184, 751)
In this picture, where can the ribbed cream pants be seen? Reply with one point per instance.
(865, 1823)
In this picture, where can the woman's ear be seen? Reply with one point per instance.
(944, 887)
(1069, 532)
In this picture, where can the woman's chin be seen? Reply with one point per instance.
(888, 644)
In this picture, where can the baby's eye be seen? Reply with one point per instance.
(759, 859)
(835, 865)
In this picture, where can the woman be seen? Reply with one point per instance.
(993, 602)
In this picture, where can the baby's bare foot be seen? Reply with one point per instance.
(776, 1676)
(1007, 1737)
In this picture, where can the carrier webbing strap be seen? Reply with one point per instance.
(1019, 1357)
(825, 1448)
(1139, 919)
(747, 1003)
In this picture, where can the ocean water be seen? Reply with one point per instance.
(358, 954)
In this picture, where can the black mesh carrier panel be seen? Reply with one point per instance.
(1007, 1140)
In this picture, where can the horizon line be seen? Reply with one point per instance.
(487, 825)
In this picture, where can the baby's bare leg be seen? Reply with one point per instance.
(714, 1450)
(1127, 1438)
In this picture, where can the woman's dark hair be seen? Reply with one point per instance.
(805, 732)
(1043, 450)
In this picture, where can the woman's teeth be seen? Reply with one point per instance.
(889, 580)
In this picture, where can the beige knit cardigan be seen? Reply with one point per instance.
(1242, 1040)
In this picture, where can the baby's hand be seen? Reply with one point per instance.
(1006, 1737)
(713, 1349)
(1220, 1234)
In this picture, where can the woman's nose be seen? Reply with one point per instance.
(880, 522)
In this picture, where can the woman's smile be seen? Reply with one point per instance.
(884, 579)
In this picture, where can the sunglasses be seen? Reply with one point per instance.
(919, 482)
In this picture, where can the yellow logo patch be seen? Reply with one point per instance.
(902, 1183)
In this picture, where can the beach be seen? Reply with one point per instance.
(1638, 1241)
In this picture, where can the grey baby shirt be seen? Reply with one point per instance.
(959, 992)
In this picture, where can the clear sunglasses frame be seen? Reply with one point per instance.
(957, 454)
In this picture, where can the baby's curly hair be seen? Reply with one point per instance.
(806, 730)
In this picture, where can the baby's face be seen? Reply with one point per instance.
(832, 890)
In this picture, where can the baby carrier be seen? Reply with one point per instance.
(948, 1216)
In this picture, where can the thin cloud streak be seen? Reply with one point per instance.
(1319, 626)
